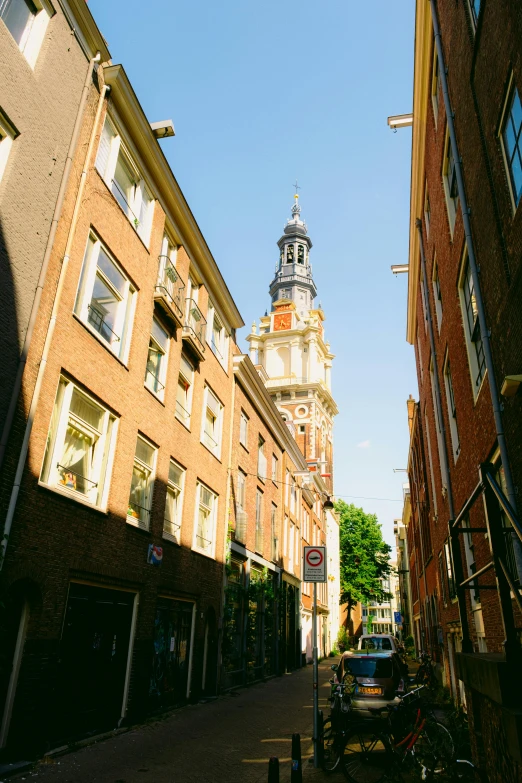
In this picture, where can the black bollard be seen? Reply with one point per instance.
(296, 775)
(273, 770)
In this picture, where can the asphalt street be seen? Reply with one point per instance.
(229, 740)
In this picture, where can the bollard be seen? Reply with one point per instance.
(320, 739)
(296, 775)
(273, 770)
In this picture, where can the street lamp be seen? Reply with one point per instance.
(328, 505)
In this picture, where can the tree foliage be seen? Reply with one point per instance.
(365, 556)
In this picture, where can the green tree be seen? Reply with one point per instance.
(365, 557)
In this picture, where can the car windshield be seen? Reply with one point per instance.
(365, 666)
(374, 643)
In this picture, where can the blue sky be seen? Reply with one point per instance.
(262, 94)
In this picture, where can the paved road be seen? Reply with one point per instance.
(226, 741)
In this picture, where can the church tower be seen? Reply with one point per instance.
(292, 354)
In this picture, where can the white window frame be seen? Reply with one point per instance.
(8, 134)
(435, 85)
(82, 307)
(241, 513)
(219, 345)
(285, 535)
(424, 300)
(437, 296)
(506, 113)
(143, 521)
(291, 548)
(427, 210)
(275, 468)
(169, 248)
(212, 439)
(452, 409)
(430, 461)
(438, 424)
(473, 346)
(243, 429)
(208, 551)
(139, 205)
(151, 379)
(172, 527)
(184, 416)
(474, 14)
(103, 439)
(259, 542)
(261, 459)
(452, 202)
(34, 32)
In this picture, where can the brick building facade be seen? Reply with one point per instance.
(465, 279)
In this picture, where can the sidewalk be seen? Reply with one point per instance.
(226, 741)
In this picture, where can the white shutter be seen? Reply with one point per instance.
(104, 149)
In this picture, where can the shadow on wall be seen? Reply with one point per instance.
(9, 329)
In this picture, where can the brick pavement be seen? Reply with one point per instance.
(226, 741)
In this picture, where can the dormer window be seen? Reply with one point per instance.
(300, 254)
(290, 254)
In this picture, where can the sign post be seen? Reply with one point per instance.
(314, 570)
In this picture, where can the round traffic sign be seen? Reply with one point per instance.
(314, 558)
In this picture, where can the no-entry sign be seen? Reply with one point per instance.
(314, 564)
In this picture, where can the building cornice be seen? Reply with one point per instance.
(86, 27)
(421, 91)
(247, 375)
(168, 191)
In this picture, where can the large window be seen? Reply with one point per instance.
(468, 303)
(212, 422)
(442, 581)
(80, 445)
(275, 468)
(452, 588)
(243, 429)
(511, 138)
(142, 484)
(205, 526)
(217, 337)
(105, 298)
(126, 183)
(156, 370)
(452, 410)
(27, 23)
(261, 459)
(184, 391)
(241, 514)
(451, 188)
(474, 7)
(437, 294)
(174, 503)
(273, 533)
(259, 521)
(7, 134)
(435, 85)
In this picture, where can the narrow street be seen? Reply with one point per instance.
(226, 741)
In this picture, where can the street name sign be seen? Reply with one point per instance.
(314, 564)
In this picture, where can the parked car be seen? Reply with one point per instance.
(379, 676)
(384, 642)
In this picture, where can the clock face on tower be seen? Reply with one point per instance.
(282, 321)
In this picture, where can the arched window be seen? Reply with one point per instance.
(289, 254)
(300, 254)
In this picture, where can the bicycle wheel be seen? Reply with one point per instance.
(434, 750)
(331, 747)
(367, 756)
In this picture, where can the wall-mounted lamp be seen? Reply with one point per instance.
(328, 505)
(511, 385)
(400, 121)
(163, 129)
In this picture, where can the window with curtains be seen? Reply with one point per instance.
(205, 523)
(174, 503)
(80, 446)
(156, 369)
(142, 484)
(212, 422)
(124, 180)
(105, 299)
(470, 321)
(184, 391)
(241, 514)
(512, 142)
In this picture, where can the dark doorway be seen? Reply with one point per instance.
(93, 661)
(171, 655)
(210, 657)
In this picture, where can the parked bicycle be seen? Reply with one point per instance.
(335, 726)
(426, 672)
(409, 738)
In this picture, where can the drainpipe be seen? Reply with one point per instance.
(484, 331)
(50, 331)
(443, 454)
(47, 255)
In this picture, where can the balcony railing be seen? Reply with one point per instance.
(97, 320)
(290, 380)
(209, 441)
(153, 382)
(170, 288)
(203, 543)
(194, 326)
(171, 529)
(140, 514)
(182, 413)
